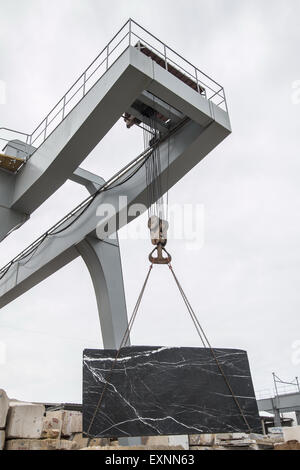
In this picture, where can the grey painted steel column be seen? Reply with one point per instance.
(277, 419)
(103, 261)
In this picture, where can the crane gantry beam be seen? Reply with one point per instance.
(126, 77)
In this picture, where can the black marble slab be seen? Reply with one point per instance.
(166, 391)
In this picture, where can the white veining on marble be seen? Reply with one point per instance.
(127, 370)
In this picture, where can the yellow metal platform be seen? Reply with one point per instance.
(10, 163)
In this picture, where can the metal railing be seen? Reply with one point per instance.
(281, 390)
(8, 135)
(264, 393)
(129, 35)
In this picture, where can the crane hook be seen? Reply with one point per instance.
(158, 231)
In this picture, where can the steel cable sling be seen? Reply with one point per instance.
(200, 331)
(202, 334)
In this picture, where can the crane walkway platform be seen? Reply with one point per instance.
(10, 163)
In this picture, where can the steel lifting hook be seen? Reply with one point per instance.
(158, 230)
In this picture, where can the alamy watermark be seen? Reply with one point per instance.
(296, 92)
(185, 222)
(2, 92)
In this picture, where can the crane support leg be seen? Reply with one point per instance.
(103, 261)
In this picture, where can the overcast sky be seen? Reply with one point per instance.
(244, 281)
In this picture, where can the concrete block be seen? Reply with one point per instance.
(4, 406)
(202, 440)
(2, 440)
(25, 421)
(291, 434)
(40, 444)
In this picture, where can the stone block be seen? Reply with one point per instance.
(201, 448)
(113, 442)
(202, 440)
(100, 441)
(71, 421)
(276, 438)
(2, 440)
(114, 448)
(291, 434)
(4, 405)
(179, 440)
(219, 447)
(25, 421)
(264, 444)
(80, 440)
(291, 445)
(19, 403)
(239, 435)
(239, 443)
(159, 392)
(40, 444)
(275, 430)
(224, 436)
(155, 440)
(64, 444)
(51, 434)
(52, 425)
(255, 436)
